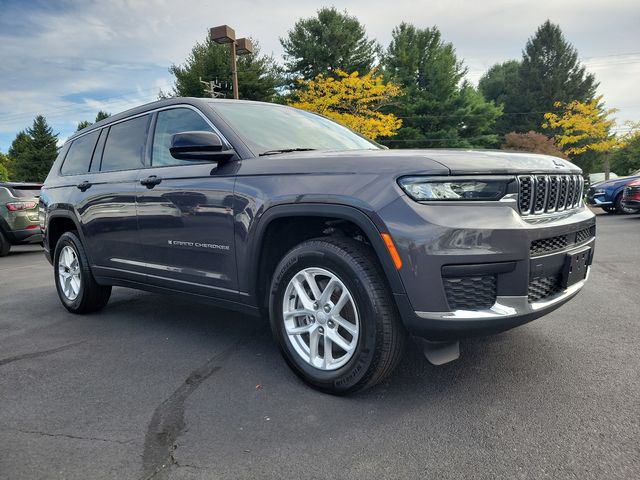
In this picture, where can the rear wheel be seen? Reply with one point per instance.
(333, 316)
(5, 246)
(77, 289)
(622, 209)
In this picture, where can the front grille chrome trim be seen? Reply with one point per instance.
(544, 194)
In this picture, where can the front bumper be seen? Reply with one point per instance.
(443, 240)
(631, 203)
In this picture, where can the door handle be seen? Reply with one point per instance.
(150, 181)
(83, 186)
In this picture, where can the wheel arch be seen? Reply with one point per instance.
(58, 223)
(259, 244)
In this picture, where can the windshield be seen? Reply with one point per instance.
(268, 127)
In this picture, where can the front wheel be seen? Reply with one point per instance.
(77, 289)
(622, 209)
(333, 316)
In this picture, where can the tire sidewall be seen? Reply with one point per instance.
(5, 245)
(350, 374)
(70, 240)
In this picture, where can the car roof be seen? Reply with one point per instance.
(194, 101)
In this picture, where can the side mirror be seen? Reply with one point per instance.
(199, 146)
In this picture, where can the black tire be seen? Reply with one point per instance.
(5, 246)
(381, 340)
(91, 297)
(621, 209)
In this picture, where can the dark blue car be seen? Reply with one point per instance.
(608, 194)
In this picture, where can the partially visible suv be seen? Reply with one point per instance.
(19, 223)
(608, 194)
(346, 246)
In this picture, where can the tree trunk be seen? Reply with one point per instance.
(606, 166)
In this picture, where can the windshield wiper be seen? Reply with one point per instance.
(285, 150)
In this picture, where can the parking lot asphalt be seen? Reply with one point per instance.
(161, 387)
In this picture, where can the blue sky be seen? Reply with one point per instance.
(68, 59)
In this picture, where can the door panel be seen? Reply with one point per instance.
(108, 209)
(108, 215)
(186, 228)
(185, 216)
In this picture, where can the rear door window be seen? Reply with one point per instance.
(79, 155)
(169, 123)
(124, 148)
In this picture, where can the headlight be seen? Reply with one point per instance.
(423, 189)
(599, 191)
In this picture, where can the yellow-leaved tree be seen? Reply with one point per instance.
(582, 127)
(352, 100)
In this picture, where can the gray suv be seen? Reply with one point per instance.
(345, 245)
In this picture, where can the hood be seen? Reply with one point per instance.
(426, 161)
(464, 162)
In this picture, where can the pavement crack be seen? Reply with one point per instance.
(167, 422)
(73, 437)
(42, 353)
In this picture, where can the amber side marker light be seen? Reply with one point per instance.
(397, 261)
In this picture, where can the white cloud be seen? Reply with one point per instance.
(115, 54)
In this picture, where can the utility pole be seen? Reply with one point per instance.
(242, 46)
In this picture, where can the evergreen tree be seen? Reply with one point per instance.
(499, 85)
(258, 75)
(438, 109)
(549, 72)
(33, 152)
(85, 123)
(331, 40)
(102, 115)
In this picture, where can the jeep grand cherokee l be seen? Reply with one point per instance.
(345, 245)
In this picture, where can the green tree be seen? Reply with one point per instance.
(4, 168)
(499, 85)
(626, 160)
(549, 72)
(439, 109)
(258, 75)
(102, 115)
(33, 152)
(85, 123)
(331, 40)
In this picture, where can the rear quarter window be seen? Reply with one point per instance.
(125, 143)
(79, 154)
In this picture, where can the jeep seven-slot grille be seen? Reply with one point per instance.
(549, 193)
(470, 293)
(544, 287)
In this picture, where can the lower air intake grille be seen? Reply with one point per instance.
(586, 234)
(541, 288)
(548, 245)
(470, 293)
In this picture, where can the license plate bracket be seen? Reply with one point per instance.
(575, 266)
